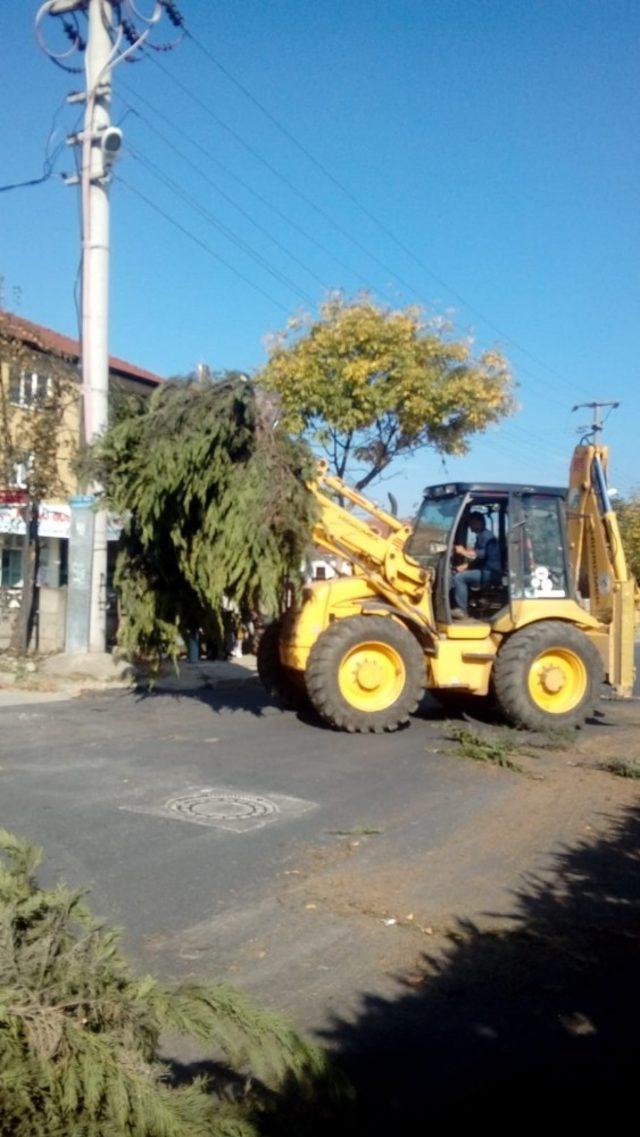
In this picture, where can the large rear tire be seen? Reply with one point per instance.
(277, 680)
(365, 673)
(547, 676)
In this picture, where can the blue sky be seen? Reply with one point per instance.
(498, 141)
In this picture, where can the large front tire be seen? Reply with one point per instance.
(365, 673)
(546, 676)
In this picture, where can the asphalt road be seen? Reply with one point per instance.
(118, 788)
(316, 870)
(90, 780)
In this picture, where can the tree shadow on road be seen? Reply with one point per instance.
(523, 1019)
(242, 692)
(238, 690)
(530, 1021)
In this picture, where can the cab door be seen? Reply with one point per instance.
(538, 568)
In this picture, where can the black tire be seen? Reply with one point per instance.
(277, 680)
(513, 668)
(330, 651)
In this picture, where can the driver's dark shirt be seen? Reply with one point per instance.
(487, 552)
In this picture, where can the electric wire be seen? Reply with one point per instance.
(237, 178)
(227, 197)
(406, 249)
(50, 157)
(531, 391)
(75, 40)
(222, 228)
(287, 181)
(527, 440)
(198, 169)
(178, 21)
(198, 241)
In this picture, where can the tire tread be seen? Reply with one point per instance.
(512, 666)
(321, 674)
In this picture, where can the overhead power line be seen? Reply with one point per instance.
(226, 196)
(287, 181)
(207, 153)
(50, 157)
(407, 250)
(198, 241)
(212, 220)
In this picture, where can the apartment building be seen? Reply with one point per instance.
(32, 358)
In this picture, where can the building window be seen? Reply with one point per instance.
(20, 472)
(28, 388)
(11, 563)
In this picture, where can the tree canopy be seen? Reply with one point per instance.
(369, 384)
(216, 512)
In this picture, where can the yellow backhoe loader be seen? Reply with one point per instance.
(540, 637)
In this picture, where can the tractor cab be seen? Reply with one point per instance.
(526, 522)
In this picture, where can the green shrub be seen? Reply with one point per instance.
(79, 1032)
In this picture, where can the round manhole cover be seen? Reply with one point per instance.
(217, 805)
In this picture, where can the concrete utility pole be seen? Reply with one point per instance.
(100, 143)
(111, 38)
(95, 279)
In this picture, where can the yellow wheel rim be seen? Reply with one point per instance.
(371, 676)
(558, 680)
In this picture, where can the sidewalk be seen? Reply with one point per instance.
(40, 688)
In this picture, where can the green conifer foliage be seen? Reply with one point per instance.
(216, 509)
(79, 1032)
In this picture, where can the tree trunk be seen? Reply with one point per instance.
(26, 616)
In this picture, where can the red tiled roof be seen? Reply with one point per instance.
(46, 339)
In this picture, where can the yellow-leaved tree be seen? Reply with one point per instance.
(369, 384)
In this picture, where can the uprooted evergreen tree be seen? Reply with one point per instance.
(79, 1034)
(212, 493)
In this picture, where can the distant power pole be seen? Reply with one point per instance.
(597, 425)
(110, 38)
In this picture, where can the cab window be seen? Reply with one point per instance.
(543, 572)
(433, 525)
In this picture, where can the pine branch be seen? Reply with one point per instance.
(79, 1031)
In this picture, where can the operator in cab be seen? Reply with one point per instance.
(477, 566)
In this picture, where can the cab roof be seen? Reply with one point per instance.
(447, 489)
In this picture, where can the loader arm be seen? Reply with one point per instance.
(380, 558)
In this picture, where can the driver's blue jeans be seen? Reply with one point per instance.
(462, 582)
